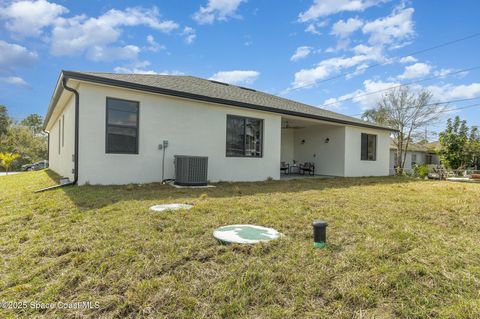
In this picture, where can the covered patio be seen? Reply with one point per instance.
(312, 144)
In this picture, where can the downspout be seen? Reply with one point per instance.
(48, 146)
(75, 156)
(77, 103)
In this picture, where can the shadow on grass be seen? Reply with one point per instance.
(95, 196)
(53, 176)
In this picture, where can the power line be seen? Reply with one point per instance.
(441, 45)
(457, 108)
(434, 103)
(400, 85)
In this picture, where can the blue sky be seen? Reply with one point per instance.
(288, 48)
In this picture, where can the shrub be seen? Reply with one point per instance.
(420, 171)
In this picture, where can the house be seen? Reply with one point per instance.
(109, 128)
(417, 154)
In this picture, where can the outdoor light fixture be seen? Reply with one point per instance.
(327, 140)
(319, 233)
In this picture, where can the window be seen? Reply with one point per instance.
(414, 160)
(369, 147)
(244, 136)
(429, 159)
(122, 126)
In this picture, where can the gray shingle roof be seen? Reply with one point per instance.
(431, 147)
(218, 92)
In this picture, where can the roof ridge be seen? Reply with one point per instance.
(283, 98)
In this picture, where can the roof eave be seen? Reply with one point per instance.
(54, 100)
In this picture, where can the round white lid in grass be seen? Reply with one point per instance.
(167, 207)
(245, 234)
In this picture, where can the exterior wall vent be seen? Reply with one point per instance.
(191, 170)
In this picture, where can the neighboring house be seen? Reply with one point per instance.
(106, 128)
(417, 154)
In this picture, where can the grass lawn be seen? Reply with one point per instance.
(397, 248)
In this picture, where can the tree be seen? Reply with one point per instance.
(5, 120)
(33, 122)
(20, 139)
(460, 145)
(474, 146)
(6, 160)
(406, 111)
(23, 141)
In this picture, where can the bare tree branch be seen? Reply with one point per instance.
(407, 111)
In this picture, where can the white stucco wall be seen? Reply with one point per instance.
(60, 158)
(287, 153)
(329, 158)
(191, 127)
(354, 166)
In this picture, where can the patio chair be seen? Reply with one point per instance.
(307, 167)
(284, 167)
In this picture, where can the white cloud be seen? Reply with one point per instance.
(308, 77)
(92, 36)
(442, 73)
(190, 34)
(153, 45)
(363, 49)
(390, 32)
(449, 92)
(358, 70)
(123, 69)
(408, 59)
(323, 8)
(416, 70)
(331, 104)
(219, 10)
(100, 53)
(28, 18)
(137, 67)
(141, 68)
(311, 28)
(342, 45)
(14, 55)
(391, 29)
(301, 52)
(15, 80)
(372, 91)
(366, 97)
(345, 28)
(236, 77)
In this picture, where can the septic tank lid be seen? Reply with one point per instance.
(245, 234)
(167, 207)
